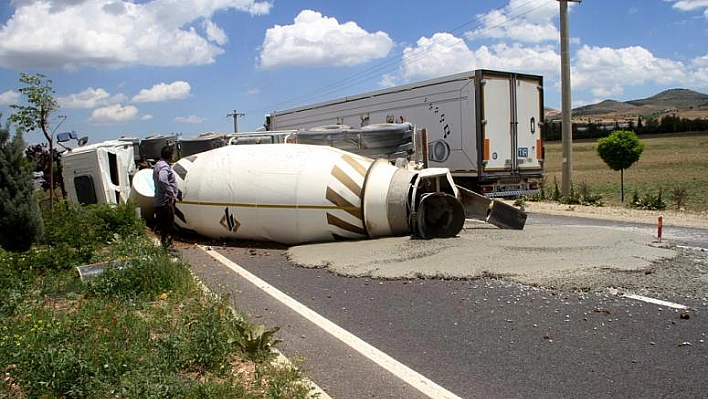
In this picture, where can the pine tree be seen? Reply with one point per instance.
(20, 217)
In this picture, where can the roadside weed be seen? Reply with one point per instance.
(142, 328)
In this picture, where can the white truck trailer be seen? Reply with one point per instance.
(483, 125)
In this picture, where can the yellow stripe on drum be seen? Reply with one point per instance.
(351, 174)
(342, 203)
(349, 209)
(337, 222)
(358, 167)
(347, 181)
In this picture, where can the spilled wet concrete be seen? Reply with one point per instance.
(481, 250)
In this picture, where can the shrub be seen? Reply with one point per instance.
(556, 191)
(121, 220)
(648, 201)
(209, 335)
(141, 271)
(542, 194)
(679, 196)
(76, 224)
(74, 234)
(583, 196)
(542, 189)
(587, 197)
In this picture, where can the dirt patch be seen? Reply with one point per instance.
(669, 217)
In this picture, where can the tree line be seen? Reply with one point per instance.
(641, 126)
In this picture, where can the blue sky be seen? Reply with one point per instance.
(136, 68)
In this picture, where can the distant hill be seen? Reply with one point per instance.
(605, 107)
(687, 103)
(674, 98)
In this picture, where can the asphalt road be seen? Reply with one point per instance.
(474, 339)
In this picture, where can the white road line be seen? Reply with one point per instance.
(416, 380)
(317, 392)
(655, 301)
(280, 358)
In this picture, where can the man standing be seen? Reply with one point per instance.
(165, 194)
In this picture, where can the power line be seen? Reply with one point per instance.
(391, 62)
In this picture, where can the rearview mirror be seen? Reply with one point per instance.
(66, 136)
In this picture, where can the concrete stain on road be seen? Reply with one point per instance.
(481, 251)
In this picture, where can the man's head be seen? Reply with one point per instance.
(167, 152)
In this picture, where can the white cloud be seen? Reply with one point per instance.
(116, 33)
(9, 97)
(688, 5)
(189, 119)
(607, 71)
(177, 90)
(314, 39)
(146, 117)
(521, 20)
(113, 114)
(215, 33)
(445, 54)
(542, 60)
(700, 62)
(388, 80)
(602, 71)
(442, 54)
(89, 98)
(691, 5)
(699, 76)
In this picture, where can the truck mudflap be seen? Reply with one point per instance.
(497, 213)
(506, 216)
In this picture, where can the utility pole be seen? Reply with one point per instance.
(566, 123)
(235, 115)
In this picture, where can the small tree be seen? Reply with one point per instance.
(38, 154)
(39, 96)
(620, 150)
(20, 218)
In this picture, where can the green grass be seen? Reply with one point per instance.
(146, 330)
(668, 161)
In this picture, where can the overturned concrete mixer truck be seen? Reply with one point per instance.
(287, 193)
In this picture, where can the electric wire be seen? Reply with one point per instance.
(393, 61)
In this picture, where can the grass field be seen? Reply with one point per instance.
(668, 161)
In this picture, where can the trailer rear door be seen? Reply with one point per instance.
(510, 114)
